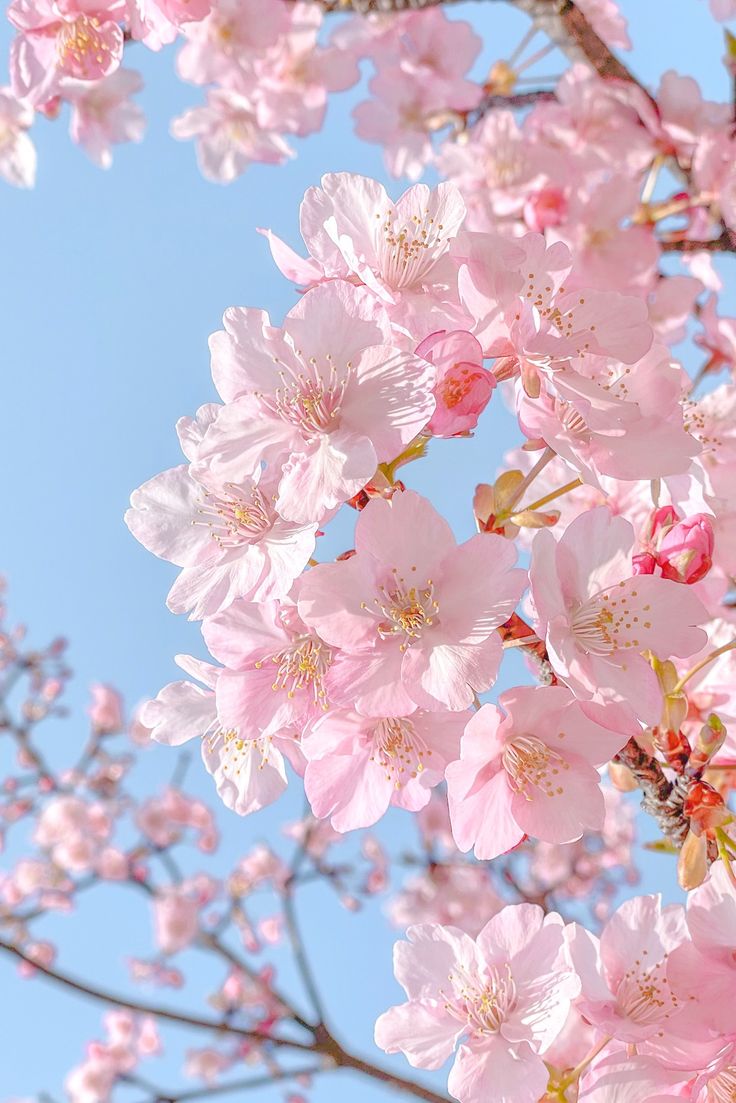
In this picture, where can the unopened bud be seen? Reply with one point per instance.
(705, 808)
(674, 746)
(711, 738)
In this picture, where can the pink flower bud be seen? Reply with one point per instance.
(545, 207)
(685, 553)
(643, 563)
(463, 386)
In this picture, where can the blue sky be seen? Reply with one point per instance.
(112, 284)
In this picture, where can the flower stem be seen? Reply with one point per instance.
(555, 494)
(699, 666)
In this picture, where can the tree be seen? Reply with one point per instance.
(603, 555)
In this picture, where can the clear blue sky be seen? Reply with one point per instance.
(112, 283)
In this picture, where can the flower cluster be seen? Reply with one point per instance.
(537, 1008)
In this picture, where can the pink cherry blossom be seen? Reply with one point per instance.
(222, 47)
(229, 539)
(502, 998)
(157, 22)
(325, 399)
(249, 771)
(103, 113)
(76, 38)
(625, 987)
(415, 614)
(462, 387)
(705, 967)
(597, 619)
(276, 668)
(357, 765)
(17, 152)
(229, 136)
(176, 919)
(530, 769)
(106, 710)
(354, 231)
(451, 895)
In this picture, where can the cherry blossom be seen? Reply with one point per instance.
(503, 997)
(17, 152)
(229, 539)
(413, 612)
(103, 113)
(597, 619)
(326, 399)
(529, 769)
(357, 766)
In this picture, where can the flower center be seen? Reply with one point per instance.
(607, 622)
(572, 420)
(644, 995)
(241, 517)
(531, 764)
(406, 610)
(311, 399)
(722, 1088)
(408, 251)
(81, 48)
(482, 1003)
(399, 750)
(302, 666)
(457, 385)
(234, 751)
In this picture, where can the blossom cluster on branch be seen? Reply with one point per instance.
(568, 251)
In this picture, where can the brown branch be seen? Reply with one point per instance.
(365, 7)
(725, 243)
(324, 1044)
(515, 100)
(207, 1090)
(332, 1049)
(662, 799)
(566, 26)
(181, 1018)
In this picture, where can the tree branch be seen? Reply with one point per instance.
(179, 1017)
(726, 243)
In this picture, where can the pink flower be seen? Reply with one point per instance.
(156, 23)
(531, 771)
(229, 136)
(103, 114)
(463, 386)
(415, 614)
(718, 337)
(325, 399)
(354, 231)
(176, 919)
(276, 668)
(357, 766)
(228, 539)
(705, 967)
(625, 987)
(222, 47)
(17, 151)
(451, 895)
(686, 551)
(249, 771)
(63, 38)
(598, 620)
(607, 420)
(106, 710)
(545, 207)
(295, 76)
(503, 998)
